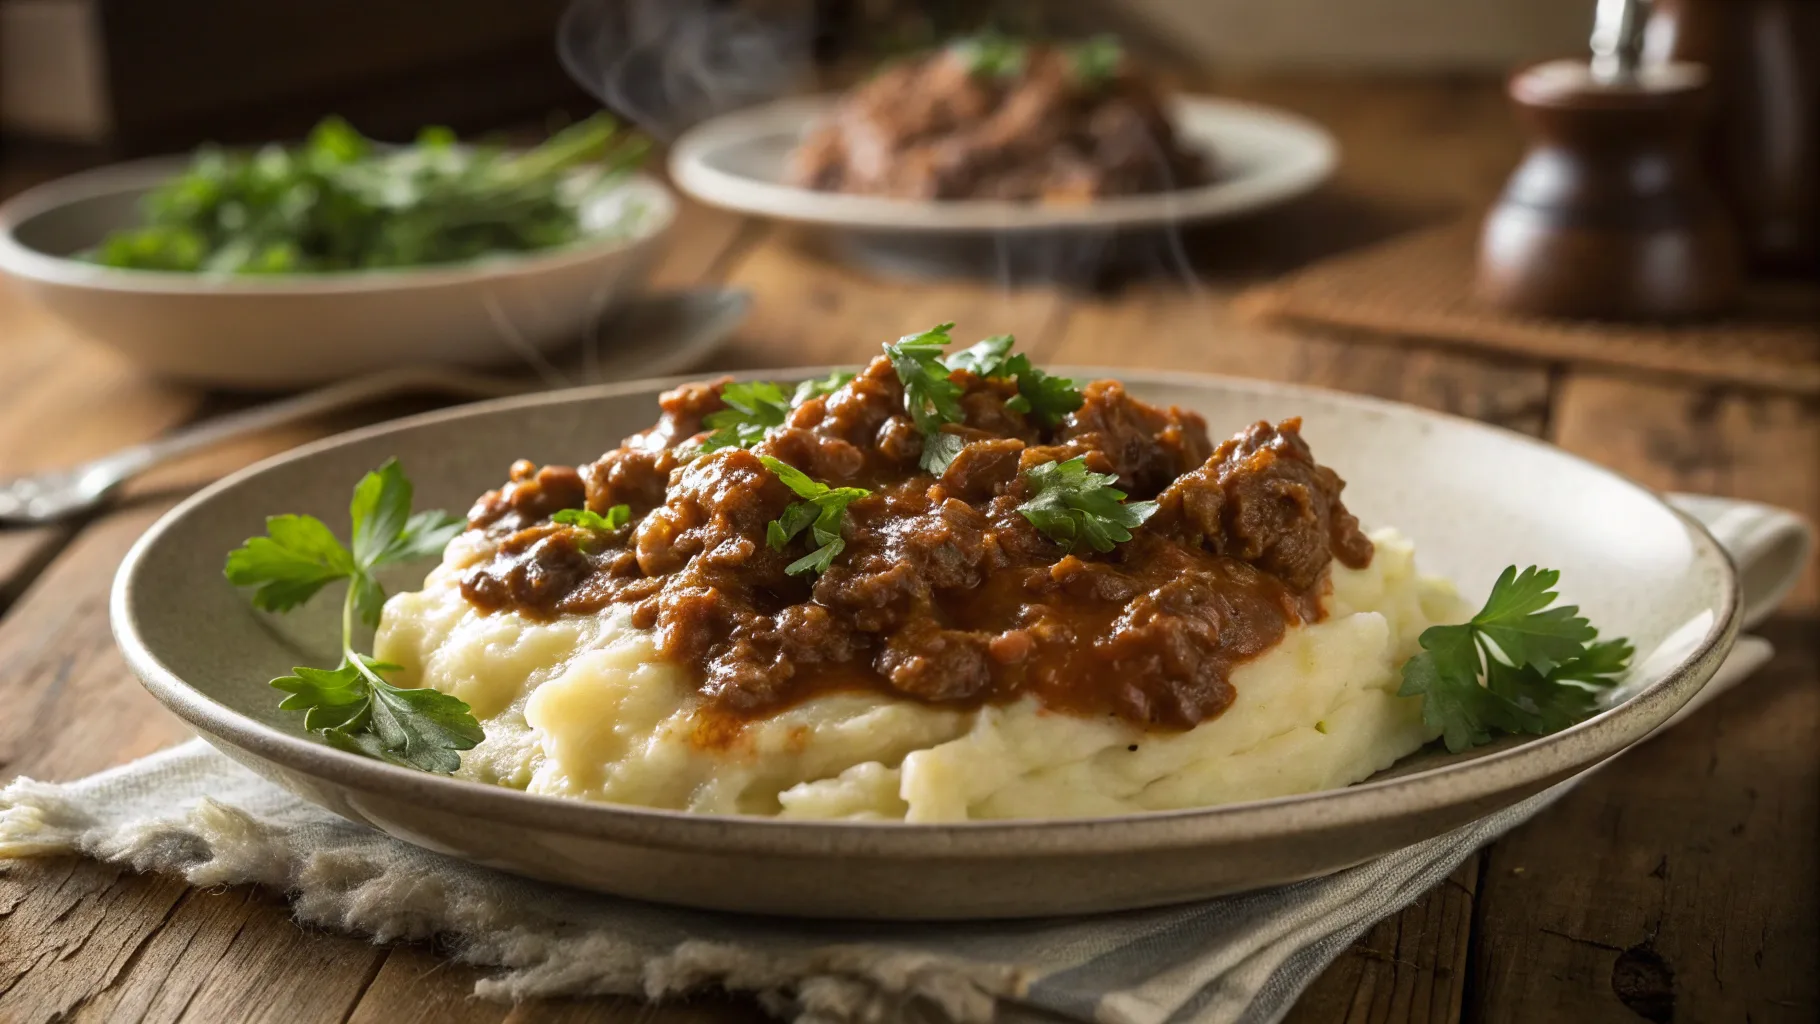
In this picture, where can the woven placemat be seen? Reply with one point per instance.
(1420, 286)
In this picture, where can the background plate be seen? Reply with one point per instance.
(1261, 157)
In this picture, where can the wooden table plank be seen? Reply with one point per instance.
(1710, 440)
(1678, 883)
(53, 391)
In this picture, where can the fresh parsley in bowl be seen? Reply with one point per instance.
(290, 266)
(340, 201)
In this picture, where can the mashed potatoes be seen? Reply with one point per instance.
(582, 707)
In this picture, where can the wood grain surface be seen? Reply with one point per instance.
(1678, 884)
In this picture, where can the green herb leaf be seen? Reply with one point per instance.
(823, 514)
(753, 407)
(1096, 61)
(939, 450)
(1518, 666)
(338, 202)
(992, 54)
(425, 535)
(1514, 619)
(820, 387)
(352, 705)
(930, 397)
(985, 358)
(381, 505)
(297, 557)
(1049, 399)
(616, 518)
(1075, 506)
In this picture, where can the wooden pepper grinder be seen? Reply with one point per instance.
(1610, 215)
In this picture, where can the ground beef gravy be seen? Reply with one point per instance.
(944, 593)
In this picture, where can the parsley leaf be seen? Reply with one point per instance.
(992, 53)
(930, 397)
(1047, 398)
(822, 513)
(617, 517)
(297, 557)
(1096, 61)
(939, 450)
(1073, 505)
(753, 407)
(985, 358)
(1518, 666)
(337, 202)
(820, 386)
(352, 705)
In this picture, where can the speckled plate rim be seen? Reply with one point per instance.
(1531, 763)
(1306, 155)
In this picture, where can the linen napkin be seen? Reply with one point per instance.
(190, 811)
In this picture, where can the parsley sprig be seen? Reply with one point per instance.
(820, 386)
(933, 399)
(753, 407)
(616, 518)
(1074, 505)
(352, 705)
(992, 53)
(1096, 60)
(1518, 666)
(822, 512)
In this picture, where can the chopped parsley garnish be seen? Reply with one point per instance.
(930, 397)
(992, 54)
(821, 386)
(1049, 399)
(1518, 666)
(1096, 60)
(616, 518)
(984, 359)
(1074, 506)
(753, 407)
(823, 512)
(352, 705)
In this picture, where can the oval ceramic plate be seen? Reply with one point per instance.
(1261, 157)
(1474, 499)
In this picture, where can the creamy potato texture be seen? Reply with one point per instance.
(582, 707)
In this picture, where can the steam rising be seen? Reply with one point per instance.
(666, 64)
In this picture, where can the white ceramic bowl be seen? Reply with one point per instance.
(1261, 156)
(1473, 498)
(291, 330)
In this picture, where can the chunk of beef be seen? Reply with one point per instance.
(1148, 447)
(1262, 498)
(983, 469)
(683, 410)
(716, 510)
(531, 496)
(935, 664)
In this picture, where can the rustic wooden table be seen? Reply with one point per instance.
(1679, 884)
